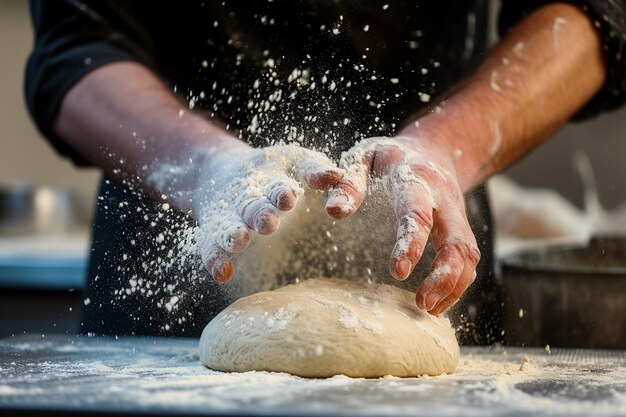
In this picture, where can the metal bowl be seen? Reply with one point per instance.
(38, 210)
(567, 296)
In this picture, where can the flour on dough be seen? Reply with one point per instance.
(324, 327)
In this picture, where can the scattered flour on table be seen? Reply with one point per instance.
(164, 374)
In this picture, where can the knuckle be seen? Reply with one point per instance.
(447, 285)
(347, 187)
(462, 286)
(419, 168)
(474, 254)
(423, 218)
(390, 154)
(423, 171)
(249, 207)
(467, 251)
(274, 193)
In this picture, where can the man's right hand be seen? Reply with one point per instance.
(243, 190)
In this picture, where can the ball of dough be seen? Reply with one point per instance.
(325, 327)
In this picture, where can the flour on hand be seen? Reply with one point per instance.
(240, 191)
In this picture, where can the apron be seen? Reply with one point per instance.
(345, 71)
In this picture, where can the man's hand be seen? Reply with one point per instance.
(243, 190)
(420, 180)
(545, 69)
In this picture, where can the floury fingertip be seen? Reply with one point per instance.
(404, 268)
(221, 269)
(339, 204)
(431, 300)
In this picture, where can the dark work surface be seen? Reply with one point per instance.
(54, 375)
(72, 413)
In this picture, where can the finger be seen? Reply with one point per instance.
(282, 197)
(414, 211)
(317, 171)
(261, 216)
(236, 238)
(469, 252)
(347, 195)
(472, 257)
(219, 266)
(442, 278)
(412, 237)
(466, 279)
(323, 180)
(456, 250)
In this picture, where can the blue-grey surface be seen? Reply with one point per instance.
(41, 273)
(164, 375)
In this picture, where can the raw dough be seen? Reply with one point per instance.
(325, 327)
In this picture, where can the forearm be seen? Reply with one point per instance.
(121, 118)
(547, 68)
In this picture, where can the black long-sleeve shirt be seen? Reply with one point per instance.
(394, 57)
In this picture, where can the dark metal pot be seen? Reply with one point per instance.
(567, 296)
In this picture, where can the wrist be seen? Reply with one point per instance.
(215, 165)
(439, 136)
(194, 144)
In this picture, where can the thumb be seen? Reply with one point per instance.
(347, 195)
(317, 171)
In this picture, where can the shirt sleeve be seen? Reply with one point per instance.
(609, 17)
(72, 38)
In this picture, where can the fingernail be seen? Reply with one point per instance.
(340, 204)
(222, 275)
(404, 268)
(338, 199)
(431, 301)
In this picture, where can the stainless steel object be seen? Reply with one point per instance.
(567, 296)
(38, 210)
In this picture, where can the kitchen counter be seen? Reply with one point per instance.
(153, 376)
(41, 282)
(44, 262)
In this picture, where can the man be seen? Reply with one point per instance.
(106, 79)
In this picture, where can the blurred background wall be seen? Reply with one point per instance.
(25, 157)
